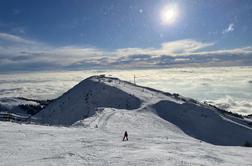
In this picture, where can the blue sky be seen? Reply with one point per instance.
(81, 34)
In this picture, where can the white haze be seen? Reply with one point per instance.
(228, 87)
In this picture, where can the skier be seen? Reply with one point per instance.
(125, 137)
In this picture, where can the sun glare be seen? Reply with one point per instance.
(169, 14)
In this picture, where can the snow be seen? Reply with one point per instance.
(152, 141)
(164, 129)
(204, 124)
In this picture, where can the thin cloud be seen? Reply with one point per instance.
(230, 28)
(184, 46)
(173, 48)
(15, 39)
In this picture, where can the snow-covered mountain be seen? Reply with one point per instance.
(97, 97)
(163, 128)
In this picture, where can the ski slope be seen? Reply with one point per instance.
(152, 141)
(85, 126)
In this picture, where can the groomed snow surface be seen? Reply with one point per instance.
(152, 141)
(163, 130)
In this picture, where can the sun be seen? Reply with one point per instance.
(169, 14)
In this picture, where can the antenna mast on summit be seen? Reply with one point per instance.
(134, 79)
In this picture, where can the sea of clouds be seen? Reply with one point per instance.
(227, 87)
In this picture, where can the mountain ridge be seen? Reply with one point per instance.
(98, 93)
